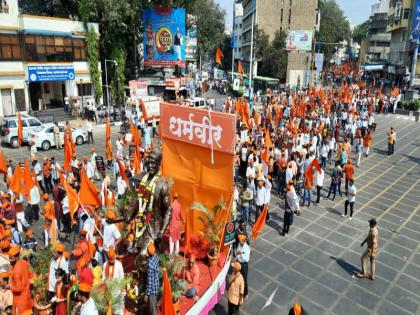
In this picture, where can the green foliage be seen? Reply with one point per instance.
(360, 32)
(210, 24)
(273, 62)
(110, 293)
(212, 228)
(57, 8)
(92, 50)
(41, 269)
(174, 265)
(118, 74)
(413, 105)
(261, 43)
(334, 27)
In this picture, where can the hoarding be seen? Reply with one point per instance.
(56, 72)
(299, 40)
(164, 37)
(138, 88)
(192, 42)
(415, 24)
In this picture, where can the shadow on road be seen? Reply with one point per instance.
(349, 268)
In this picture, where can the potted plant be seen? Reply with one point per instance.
(174, 265)
(212, 229)
(109, 296)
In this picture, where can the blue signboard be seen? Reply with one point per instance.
(415, 24)
(54, 72)
(164, 37)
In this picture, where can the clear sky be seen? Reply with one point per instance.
(357, 10)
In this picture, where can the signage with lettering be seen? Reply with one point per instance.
(131, 151)
(55, 72)
(100, 165)
(201, 127)
(229, 235)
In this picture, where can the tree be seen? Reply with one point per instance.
(55, 8)
(210, 24)
(360, 31)
(274, 60)
(227, 52)
(334, 27)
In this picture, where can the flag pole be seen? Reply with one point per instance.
(185, 233)
(233, 40)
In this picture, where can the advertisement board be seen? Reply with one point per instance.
(192, 43)
(415, 24)
(56, 72)
(138, 88)
(229, 235)
(299, 40)
(164, 37)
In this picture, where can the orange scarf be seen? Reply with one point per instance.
(109, 272)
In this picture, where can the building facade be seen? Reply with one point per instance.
(237, 30)
(378, 39)
(287, 15)
(399, 20)
(43, 62)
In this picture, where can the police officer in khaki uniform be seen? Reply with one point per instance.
(372, 248)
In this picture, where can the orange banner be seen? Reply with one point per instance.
(199, 127)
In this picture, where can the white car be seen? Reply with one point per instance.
(44, 136)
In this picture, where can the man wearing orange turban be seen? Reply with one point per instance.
(57, 261)
(20, 287)
(113, 268)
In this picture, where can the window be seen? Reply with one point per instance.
(50, 130)
(10, 47)
(281, 16)
(61, 128)
(240, 37)
(34, 122)
(79, 51)
(24, 123)
(87, 89)
(406, 14)
(290, 2)
(290, 16)
(240, 25)
(48, 48)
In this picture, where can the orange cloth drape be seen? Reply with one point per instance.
(167, 305)
(88, 194)
(16, 181)
(108, 146)
(219, 56)
(3, 166)
(20, 129)
(260, 224)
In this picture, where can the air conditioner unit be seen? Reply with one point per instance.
(398, 10)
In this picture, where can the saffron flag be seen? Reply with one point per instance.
(136, 135)
(71, 141)
(27, 179)
(309, 175)
(3, 166)
(219, 56)
(240, 68)
(137, 161)
(108, 146)
(260, 224)
(16, 181)
(67, 153)
(20, 129)
(71, 195)
(88, 193)
(167, 305)
(122, 171)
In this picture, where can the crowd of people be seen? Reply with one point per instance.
(287, 147)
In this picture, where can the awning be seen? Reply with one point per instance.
(48, 33)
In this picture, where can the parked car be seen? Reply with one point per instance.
(43, 136)
(9, 130)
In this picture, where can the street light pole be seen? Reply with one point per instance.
(251, 61)
(106, 81)
(81, 91)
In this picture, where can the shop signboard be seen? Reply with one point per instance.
(138, 88)
(299, 40)
(164, 37)
(100, 165)
(229, 235)
(55, 72)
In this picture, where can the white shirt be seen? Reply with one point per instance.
(352, 190)
(267, 191)
(38, 171)
(289, 174)
(250, 172)
(319, 180)
(89, 308)
(34, 196)
(261, 196)
(324, 150)
(244, 251)
(121, 186)
(54, 265)
(89, 126)
(118, 272)
(331, 143)
(111, 234)
(66, 208)
(89, 226)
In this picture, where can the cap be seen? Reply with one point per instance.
(45, 196)
(297, 309)
(242, 237)
(85, 287)
(34, 158)
(92, 149)
(236, 266)
(14, 250)
(373, 221)
(175, 195)
(4, 244)
(111, 253)
(59, 247)
(151, 249)
(66, 255)
(83, 232)
(85, 158)
(9, 222)
(29, 233)
(110, 215)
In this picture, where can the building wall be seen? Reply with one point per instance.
(14, 74)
